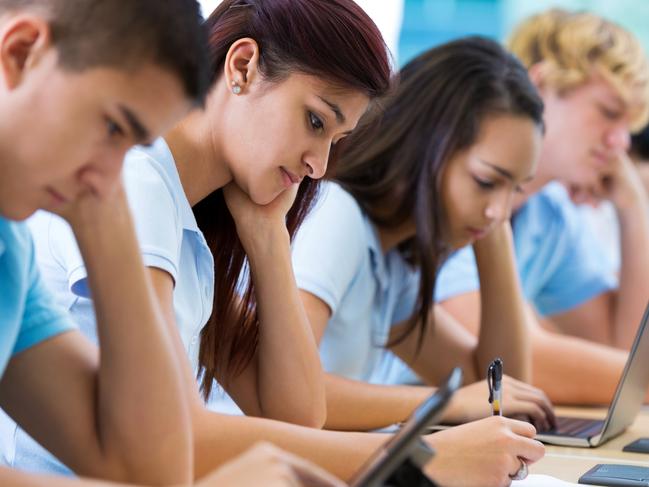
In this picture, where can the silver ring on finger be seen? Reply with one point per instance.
(521, 473)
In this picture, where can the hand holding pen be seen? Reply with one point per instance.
(495, 382)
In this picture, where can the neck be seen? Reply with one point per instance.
(390, 238)
(199, 158)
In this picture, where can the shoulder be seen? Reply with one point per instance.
(335, 222)
(147, 166)
(548, 217)
(14, 237)
(152, 185)
(335, 208)
(552, 203)
(16, 249)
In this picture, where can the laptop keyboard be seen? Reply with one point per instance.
(576, 427)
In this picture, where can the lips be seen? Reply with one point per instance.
(602, 158)
(478, 233)
(293, 178)
(58, 198)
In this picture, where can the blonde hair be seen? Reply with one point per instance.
(576, 46)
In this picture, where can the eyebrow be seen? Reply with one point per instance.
(503, 172)
(340, 117)
(140, 132)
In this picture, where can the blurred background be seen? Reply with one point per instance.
(430, 22)
(411, 26)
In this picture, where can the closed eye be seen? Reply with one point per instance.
(483, 183)
(609, 113)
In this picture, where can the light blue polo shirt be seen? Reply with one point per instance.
(169, 239)
(28, 314)
(561, 261)
(337, 257)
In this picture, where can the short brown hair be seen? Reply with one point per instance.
(124, 33)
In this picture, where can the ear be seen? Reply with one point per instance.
(537, 75)
(23, 41)
(242, 64)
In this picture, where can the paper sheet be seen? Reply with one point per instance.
(542, 481)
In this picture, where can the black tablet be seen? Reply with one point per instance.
(401, 446)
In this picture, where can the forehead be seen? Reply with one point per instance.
(509, 142)
(598, 89)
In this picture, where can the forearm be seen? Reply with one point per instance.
(220, 438)
(142, 416)
(14, 478)
(358, 406)
(633, 293)
(573, 371)
(290, 380)
(503, 321)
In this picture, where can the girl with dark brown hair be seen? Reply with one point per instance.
(433, 171)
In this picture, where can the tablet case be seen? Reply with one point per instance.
(616, 476)
(638, 446)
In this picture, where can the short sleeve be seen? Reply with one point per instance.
(582, 269)
(155, 214)
(42, 318)
(458, 275)
(329, 247)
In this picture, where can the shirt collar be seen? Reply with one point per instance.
(162, 154)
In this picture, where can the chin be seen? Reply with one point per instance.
(263, 199)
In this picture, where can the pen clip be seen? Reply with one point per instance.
(490, 371)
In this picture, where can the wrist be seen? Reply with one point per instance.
(634, 205)
(266, 240)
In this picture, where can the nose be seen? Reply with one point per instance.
(106, 169)
(619, 138)
(316, 160)
(499, 207)
(112, 164)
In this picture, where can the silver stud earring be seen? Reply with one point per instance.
(236, 89)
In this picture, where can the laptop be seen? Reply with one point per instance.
(628, 399)
(405, 445)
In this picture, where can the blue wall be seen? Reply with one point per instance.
(431, 22)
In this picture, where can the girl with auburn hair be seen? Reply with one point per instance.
(312, 41)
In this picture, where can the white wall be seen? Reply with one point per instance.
(387, 14)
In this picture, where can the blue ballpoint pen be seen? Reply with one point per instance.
(495, 382)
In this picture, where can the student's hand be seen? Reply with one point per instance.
(619, 183)
(96, 205)
(269, 466)
(483, 453)
(255, 221)
(520, 401)
(623, 185)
